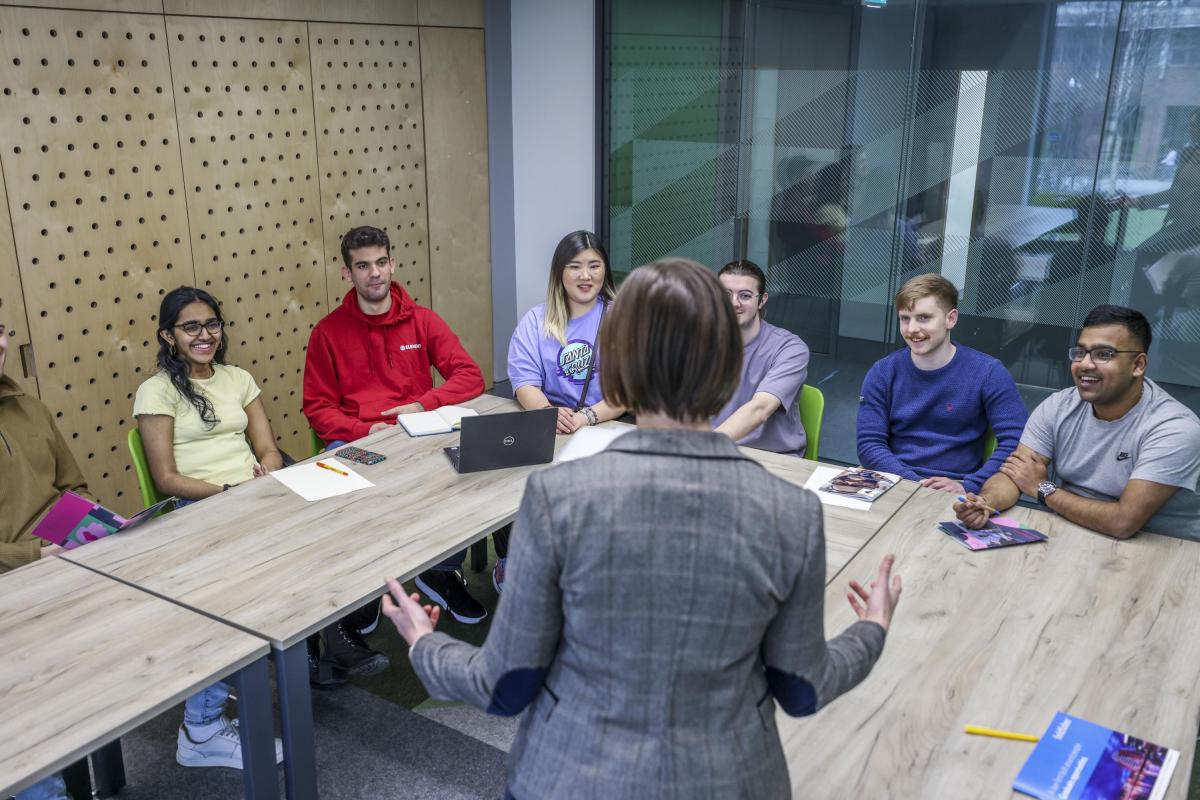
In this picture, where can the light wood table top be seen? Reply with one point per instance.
(847, 530)
(264, 559)
(86, 658)
(1098, 628)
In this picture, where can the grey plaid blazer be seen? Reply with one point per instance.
(661, 597)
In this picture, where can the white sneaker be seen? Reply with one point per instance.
(222, 749)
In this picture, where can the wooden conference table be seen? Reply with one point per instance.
(265, 560)
(1098, 628)
(86, 658)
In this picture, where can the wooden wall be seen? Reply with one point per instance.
(148, 144)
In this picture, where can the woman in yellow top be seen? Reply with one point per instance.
(197, 411)
(194, 416)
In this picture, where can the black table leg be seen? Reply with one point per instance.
(109, 769)
(78, 779)
(295, 709)
(255, 726)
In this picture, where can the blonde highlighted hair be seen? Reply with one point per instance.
(558, 311)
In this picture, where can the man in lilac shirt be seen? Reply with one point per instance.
(763, 412)
(925, 411)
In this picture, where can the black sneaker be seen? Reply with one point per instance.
(366, 619)
(449, 590)
(324, 675)
(342, 647)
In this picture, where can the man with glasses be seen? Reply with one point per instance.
(1126, 453)
(763, 412)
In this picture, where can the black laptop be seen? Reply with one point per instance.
(495, 441)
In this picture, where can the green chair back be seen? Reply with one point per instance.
(314, 443)
(989, 444)
(150, 493)
(812, 409)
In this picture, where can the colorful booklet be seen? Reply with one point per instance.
(991, 535)
(1077, 759)
(75, 521)
(861, 484)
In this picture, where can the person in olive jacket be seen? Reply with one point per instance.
(37, 468)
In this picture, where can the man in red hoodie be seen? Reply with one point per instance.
(368, 361)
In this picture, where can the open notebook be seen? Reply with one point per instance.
(440, 420)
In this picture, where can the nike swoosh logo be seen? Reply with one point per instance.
(1122, 456)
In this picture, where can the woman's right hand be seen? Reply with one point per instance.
(412, 620)
(878, 602)
(566, 421)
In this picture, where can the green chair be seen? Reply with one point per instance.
(150, 493)
(315, 445)
(812, 409)
(989, 444)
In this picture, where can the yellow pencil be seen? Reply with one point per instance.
(1020, 737)
(323, 465)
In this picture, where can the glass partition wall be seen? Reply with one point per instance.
(1044, 156)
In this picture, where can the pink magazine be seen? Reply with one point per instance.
(75, 521)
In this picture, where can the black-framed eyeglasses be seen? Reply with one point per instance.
(192, 328)
(744, 296)
(1100, 355)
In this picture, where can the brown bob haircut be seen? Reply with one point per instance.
(670, 344)
(931, 284)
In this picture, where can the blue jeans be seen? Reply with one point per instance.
(51, 788)
(206, 706)
(452, 563)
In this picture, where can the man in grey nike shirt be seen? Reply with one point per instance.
(1126, 453)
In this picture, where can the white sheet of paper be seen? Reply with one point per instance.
(589, 441)
(822, 476)
(317, 483)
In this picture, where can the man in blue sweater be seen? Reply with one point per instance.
(925, 411)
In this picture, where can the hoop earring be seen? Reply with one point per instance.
(174, 351)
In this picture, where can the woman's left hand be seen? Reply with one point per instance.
(259, 470)
(412, 620)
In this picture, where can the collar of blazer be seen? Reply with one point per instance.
(686, 444)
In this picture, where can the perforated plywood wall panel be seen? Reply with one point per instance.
(139, 6)
(393, 12)
(91, 164)
(457, 165)
(244, 103)
(452, 13)
(12, 302)
(114, 131)
(370, 144)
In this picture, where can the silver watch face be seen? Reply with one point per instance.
(1047, 488)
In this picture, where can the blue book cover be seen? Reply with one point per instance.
(1080, 760)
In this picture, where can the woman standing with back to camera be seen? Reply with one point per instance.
(666, 593)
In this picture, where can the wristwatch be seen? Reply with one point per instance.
(1045, 489)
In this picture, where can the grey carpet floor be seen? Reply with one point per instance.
(499, 732)
(367, 749)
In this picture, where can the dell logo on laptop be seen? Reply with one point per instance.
(509, 441)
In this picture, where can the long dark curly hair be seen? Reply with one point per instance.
(171, 362)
